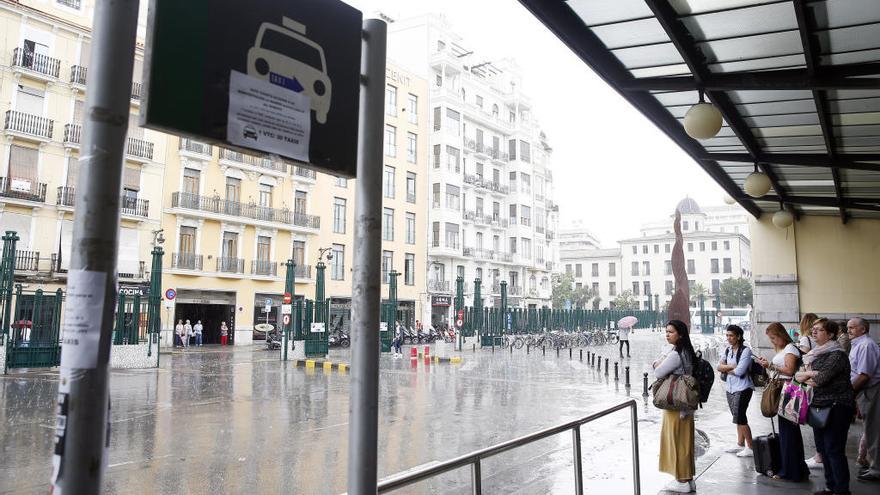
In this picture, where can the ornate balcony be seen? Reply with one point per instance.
(72, 135)
(28, 125)
(46, 66)
(303, 271)
(23, 189)
(186, 261)
(66, 196)
(264, 268)
(136, 89)
(135, 207)
(78, 75)
(27, 261)
(219, 206)
(230, 265)
(261, 164)
(139, 150)
(438, 285)
(196, 147)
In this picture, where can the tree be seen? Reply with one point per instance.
(562, 288)
(581, 297)
(697, 290)
(736, 292)
(625, 300)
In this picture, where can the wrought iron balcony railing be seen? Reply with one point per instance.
(249, 210)
(30, 124)
(78, 74)
(230, 265)
(252, 160)
(139, 148)
(264, 267)
(66, 196)
(74, 4)
(303, 271)
(20, 188)
(73, 134)
(136, 88)
(135, 207)
(196, 147)
(186, 261)
(28, 261)
(305, 173)
(514, 290)
(36, 62)
(141, 273)
(438, 285)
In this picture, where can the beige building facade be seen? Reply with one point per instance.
(43, 77)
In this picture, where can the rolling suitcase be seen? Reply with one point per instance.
(766, 450)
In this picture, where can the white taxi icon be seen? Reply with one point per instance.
(285, 57)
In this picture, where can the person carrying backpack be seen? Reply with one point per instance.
(677, 432)
(734, 367)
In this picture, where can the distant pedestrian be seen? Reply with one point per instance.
(828, 372)
(677, 432)
(224, 333)
(178, 334)
(865, 377)
(783, 366)
(398, 339)
(734, 367)
(197, 331)
(188, 332)
(623, 335)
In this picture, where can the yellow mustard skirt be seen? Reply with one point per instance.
(677, 445)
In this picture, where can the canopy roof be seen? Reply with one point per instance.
(797, 82)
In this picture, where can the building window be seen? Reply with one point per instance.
(669, 287)
(191, 179)
(702, 246)
(568, 269)
(479, 101)
(410, 187)
(647, 287)
(578, 271)
(684, 225)
(453, 159)
(299, 253)
(612, 269)
(726, 245)
(187, 244)
(459, 271)
(595, 269)
(716, 286)
(453, 121)
(691, 267)
(635, 268)
(409, 269)
(635, 250)
(265, 195)
(527, 248)
(727, 266)
(714, 265)
(635, 288)
(391, 101)
(690, 247)
(452, 236)
(513, 245)
(300, 201)
(645, 249)
(452, 197)
(264, 248)
(229, 246)
(387, 224)
(410, 228)
(341, 182)
(667, 267)
(656, 248)
(411, 144)
(714, 245)
(337, 264)
(387, 266)
(413, 109)
(388, 182)
(666, 248)
(437, 117)
(646, 268)
(612, 288)
(435, 234)
(339, 215)
(390, 141)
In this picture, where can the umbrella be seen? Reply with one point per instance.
(627, 322)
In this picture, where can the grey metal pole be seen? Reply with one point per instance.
(83, 391)
(363, 409)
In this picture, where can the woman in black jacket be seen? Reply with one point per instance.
(828, 373)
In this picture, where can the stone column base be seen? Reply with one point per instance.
(298, 351)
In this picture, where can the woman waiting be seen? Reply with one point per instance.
(677, 433)
(224, 333)
(828, 373)
(783, 367)
(734, 368)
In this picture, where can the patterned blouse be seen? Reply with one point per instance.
(832, 381)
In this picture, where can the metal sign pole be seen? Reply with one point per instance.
(363, 409)
(81, 438)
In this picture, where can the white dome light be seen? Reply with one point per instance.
(702, 121)
(757, 184)
(728, 199)
(783, 219)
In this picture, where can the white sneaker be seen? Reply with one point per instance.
(734, 449)
(678, 487)
(746, 452)
(812, 464)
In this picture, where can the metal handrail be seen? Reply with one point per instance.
(473, 459)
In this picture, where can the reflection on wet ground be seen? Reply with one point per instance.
(236, 420)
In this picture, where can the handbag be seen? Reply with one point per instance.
(794, 402)
(771, 396)
(676, 393)
(817, 417)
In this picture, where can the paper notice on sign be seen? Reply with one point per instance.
(317, 328)
(286, 309)
(81, 329)
(383, 326)
(268, 117)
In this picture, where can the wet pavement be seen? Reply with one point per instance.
(236, 420)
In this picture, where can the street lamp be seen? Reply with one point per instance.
(325, 253)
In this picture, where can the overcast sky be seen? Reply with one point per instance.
(612, 167)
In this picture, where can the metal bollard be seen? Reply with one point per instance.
(570, 350)
(627, 384)
(527, 348)
(474, 349)
(557, 352)
(616, 372)
(606, 366)
(582, 355)
(599, 364)
(511, 347)
(645, 384)
(543, 350)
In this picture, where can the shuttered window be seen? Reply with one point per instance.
(23, 165)
(131, 179)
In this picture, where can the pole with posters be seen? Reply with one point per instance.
(366, 298)
(82, 422)
(288, 292)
